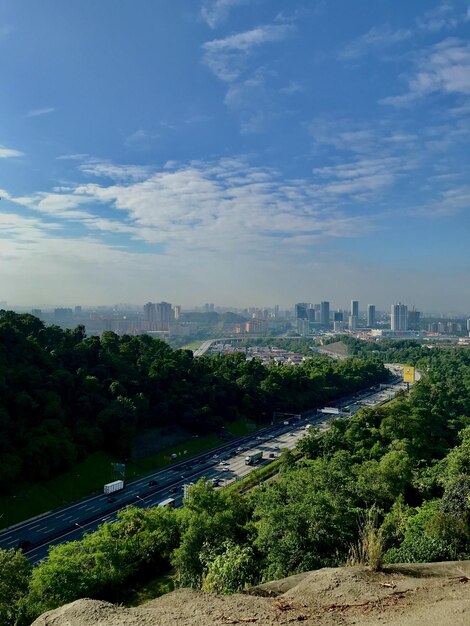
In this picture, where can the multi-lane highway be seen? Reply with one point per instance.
(225, 464)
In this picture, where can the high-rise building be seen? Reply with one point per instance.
(325, 313)
(164, 315)
(468, 324)
(150, 315)
(301, 311)
(355, 308)
(399, 317)
(352, 322)
(371, 315)
(311, 314)
(414, 320)
(177, 311)
(338, 316)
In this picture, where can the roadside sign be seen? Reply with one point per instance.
(409, 374)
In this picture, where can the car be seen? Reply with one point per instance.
(111, 499)
(24, 544)
(271, 455)
(239, 449)
(225, 469)
(173, 490)
(291, 435)
(216, 456)
(152, 483)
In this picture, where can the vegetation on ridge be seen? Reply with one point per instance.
(405, 465)
(64, 395)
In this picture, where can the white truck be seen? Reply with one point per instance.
(330, 410)
(116, 485)
(169, 503)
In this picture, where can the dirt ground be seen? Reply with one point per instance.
(403, 595)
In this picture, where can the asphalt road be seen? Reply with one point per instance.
(226, 463)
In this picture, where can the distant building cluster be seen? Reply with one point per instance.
(164, 320)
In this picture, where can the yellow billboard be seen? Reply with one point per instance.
(408, 374)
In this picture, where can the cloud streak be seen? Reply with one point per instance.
(40, 112)
(227, 57)
(216, 12)
(444, 68)
(378, 37)
(9, 153)
(211, 207)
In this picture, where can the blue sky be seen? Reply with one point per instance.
(242, 152)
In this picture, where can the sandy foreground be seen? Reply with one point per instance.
(437, 594)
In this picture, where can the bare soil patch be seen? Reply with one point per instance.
(402, 595)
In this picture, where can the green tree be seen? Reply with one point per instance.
(231, 570)
(15, 572)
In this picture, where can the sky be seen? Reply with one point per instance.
(241, 152)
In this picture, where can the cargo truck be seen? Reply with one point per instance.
(116, 485)
(330, 410)
(253, 459)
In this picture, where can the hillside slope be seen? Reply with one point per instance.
(402, 595)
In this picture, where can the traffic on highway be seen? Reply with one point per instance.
(222, 466)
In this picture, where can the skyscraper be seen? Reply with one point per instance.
(371, 315)
(150, 315)
(414, 320)
(163, 315)
(301, 311)
(355, 308)
(352, 322)
(399, 317)
(325, 313)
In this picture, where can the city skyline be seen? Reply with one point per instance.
(233, 151)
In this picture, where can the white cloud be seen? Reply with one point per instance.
(21, 228)
(215, 12)
(73, 157)
(106, 169)
(349, 136)
(207, 206)
(226, 57)
(141, 139)
(7, 153)
(443, 68)
(440, 17)
(376, 38)
(40, 112)
(449, 202)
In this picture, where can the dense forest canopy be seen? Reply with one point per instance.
(64, 395)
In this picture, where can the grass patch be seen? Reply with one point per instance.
(194, 345)
(33, 499)
(151, 590)
(88, 477)
(242, 426)
(254, 478)
(193, 446)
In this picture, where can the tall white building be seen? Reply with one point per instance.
(399, 317)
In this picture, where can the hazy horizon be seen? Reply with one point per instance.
(226, 150)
